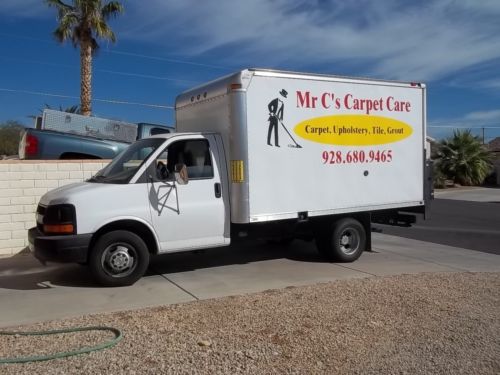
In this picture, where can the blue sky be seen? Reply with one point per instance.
(167, 46)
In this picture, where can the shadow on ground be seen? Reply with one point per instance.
(24, 272)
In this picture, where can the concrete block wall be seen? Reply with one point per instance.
(22, 183)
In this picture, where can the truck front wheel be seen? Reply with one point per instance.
(118, 258)
(343, 241)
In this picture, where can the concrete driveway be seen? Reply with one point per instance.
(471, 194)
(30, 292)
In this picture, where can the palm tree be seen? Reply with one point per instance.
(83, 22)
(463, 159)
(73, 109)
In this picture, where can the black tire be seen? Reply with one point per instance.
(285, 241)
(342, 241)
(118, 258)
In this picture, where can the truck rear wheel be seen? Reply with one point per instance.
(119, 258)
(344, 241)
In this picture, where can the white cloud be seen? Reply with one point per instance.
(491, 115)
(484, 124)
(484, 76)
(389, 39)
(395, 39)
(490, 84)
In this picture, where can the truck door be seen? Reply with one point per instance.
(191, 215)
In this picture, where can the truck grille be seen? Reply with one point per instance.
(40, 213)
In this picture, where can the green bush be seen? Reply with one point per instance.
(463, 159)
(9, 137)
(439, 179)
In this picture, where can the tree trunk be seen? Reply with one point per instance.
(86, 77)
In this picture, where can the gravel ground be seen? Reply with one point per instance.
(418, 324)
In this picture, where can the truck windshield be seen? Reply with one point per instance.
(125, 165)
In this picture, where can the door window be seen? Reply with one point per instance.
(194, 153)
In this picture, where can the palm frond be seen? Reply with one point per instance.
(65, 29)
(111, 10)
(103, 31)
(62, 8)
(58, 4)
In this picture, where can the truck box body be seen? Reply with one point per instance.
(345, 145)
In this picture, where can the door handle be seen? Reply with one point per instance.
(218, 190)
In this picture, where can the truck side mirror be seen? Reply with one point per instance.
(161, 171)
(181, 174)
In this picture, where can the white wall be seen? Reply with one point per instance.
(22, 183)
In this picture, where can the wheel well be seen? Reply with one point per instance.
(322, 223)
(76, 155)
(362, 217)
(132, 226)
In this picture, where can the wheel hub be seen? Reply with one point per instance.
(349, 242)
(118, 260)
(345, 240)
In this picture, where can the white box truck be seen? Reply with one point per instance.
(258, 153)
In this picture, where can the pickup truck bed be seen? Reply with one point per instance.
(50, 144)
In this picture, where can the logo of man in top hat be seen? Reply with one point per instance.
(276, 108)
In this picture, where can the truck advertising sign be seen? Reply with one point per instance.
(339, 142)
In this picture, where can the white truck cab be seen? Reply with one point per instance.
(142, 192)
(257, 153)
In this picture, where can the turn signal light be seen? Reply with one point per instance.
(58, 228)
(235, 86)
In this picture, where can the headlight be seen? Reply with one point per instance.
(59, 219)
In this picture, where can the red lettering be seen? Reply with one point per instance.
(337, 103)
(390, 99)
(346, 101)
(398, 106)
(324, 98)
(314, 100)
(303, 100)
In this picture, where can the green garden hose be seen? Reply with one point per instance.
(107, 344)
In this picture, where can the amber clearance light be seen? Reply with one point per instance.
(235, 86)
(58, 228)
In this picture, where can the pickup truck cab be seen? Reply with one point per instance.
(163, 194)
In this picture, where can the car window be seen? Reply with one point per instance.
(195, 154)
(155, 131)
(124, 166)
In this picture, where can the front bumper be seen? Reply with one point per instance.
(67, 248)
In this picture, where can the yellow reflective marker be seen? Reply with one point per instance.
(237, 171)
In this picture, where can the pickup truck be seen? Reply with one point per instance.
(52, 144)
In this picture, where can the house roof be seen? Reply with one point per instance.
(494, 145)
